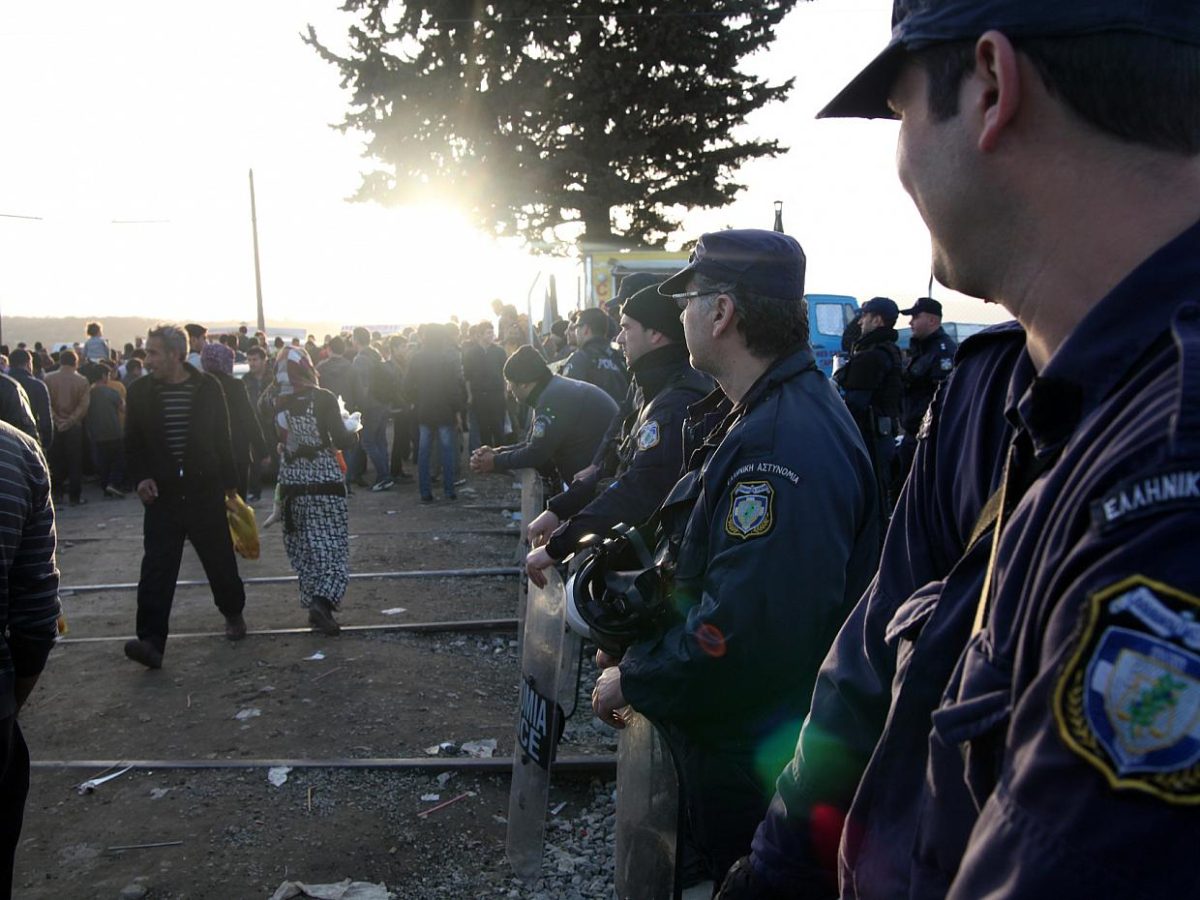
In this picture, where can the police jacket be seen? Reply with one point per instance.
(927, 364)
(569, 420)
(1075, 701)
(860, 700)
(770, 535)
(207, 468)
(650, 454)
(596, 362)
(871, 379)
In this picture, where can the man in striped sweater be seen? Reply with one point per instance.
(179, 455)
(29, 614)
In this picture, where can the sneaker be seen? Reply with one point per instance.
(144, 652)
(235, 627)
(113, 492)
(380, 486)
(320, 617)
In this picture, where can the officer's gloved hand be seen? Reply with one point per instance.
(741, 883)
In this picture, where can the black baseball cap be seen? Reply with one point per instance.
(917, 24)
(923, 305)
(882, 306)
(767, 262)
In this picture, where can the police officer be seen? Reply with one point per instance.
(872, 386)
(569, 421)
(650, 453)
(1061, 753)
(595, 361)
(766, 541)
(927, 363)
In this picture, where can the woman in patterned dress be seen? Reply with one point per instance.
(312, 489)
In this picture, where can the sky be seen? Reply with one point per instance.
(130, 127)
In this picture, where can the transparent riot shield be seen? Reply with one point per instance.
(532, 503)
(538, 725)
(647, 813)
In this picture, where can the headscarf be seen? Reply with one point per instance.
(294, 372)
(217, 358)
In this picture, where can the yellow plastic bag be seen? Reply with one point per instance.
(242, 527)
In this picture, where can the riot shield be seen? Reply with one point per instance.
(532, 503)
(538, 725)
(647, 813)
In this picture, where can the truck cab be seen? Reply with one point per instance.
(828, 316)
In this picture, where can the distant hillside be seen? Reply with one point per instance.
(118, 329)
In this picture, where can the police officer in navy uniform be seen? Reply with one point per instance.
(871, 383)
(650, 452)
(927, 363)
(765, 542)
(569, 421)
(595, 361)
(1058, 754)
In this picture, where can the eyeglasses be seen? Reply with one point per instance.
(682, 300)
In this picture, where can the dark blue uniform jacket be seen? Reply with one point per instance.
(650, 453)
(569, 421)
(1063, 753)
(774, 536)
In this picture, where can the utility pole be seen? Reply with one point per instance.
(262, 321)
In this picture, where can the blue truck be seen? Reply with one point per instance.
(828, 316)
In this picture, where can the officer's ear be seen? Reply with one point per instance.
(722, 311)
(994, 89)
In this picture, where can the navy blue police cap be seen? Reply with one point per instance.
(917, 24)
(767, 262)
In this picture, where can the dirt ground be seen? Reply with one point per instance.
(368, 694)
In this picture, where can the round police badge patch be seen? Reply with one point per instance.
(540, 424)
(1128, 701)
(751, 509)
(648, 436)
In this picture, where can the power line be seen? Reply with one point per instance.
(17, 216)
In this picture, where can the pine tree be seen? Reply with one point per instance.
(535, 114)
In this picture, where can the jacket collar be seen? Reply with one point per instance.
(653, 370)
(1103, 348)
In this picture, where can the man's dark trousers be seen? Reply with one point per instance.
(14, 788)
(169, 520)
(66, 454)
(489, 413)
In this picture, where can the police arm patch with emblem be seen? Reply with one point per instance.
(540, 424)
(1128, 700)
(751, 509)
(649, 435)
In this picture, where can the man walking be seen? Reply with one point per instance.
(179, 454)
(69, 397)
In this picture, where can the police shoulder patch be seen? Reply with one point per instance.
(1128, 700)
(648, 435)
(946, 363)
(751, 509)
(540, 424)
